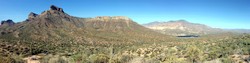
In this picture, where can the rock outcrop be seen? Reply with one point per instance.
(53, 7)
(32, 15)
(7, 23)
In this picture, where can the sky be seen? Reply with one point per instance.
(226, 14)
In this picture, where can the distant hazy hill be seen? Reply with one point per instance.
(181, 27)
(238, 30)
(54, 28)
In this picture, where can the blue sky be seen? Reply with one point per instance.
(229, 14)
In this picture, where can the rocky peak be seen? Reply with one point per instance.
(7, 22)
(55, 8)
(32, 15)
(54, 11)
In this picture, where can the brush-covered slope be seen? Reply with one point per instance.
(181, 27)
(54, 30)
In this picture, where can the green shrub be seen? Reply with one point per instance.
(99, 58)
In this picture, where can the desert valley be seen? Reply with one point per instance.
(57, 37)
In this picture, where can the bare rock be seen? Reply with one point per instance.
(53, 7)
(121, 17)
(32, 15)
(7, 23)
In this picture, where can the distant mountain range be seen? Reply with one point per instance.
(182, 27)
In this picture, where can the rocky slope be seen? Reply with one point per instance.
(181, 27)
(54, 30)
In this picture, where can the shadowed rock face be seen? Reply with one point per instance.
(53, 7)
(7, 23)
(32, 15)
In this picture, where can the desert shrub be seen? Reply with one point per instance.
(55, 59)
(152, 60)
(194, 54)
(45, 59)
(227, 60)
(11, 59)
(80, 57)
(125, 58)
(121, 58)
(99, 58)
(137, 60)
(5, 59)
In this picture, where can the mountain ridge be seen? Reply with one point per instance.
(181, 27)
(53, 30)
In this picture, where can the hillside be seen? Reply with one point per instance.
(57, 37)
(54, 30)
(182, 27)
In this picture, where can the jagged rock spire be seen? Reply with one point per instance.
(32, 15)
(53, 7)
(53, 11)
